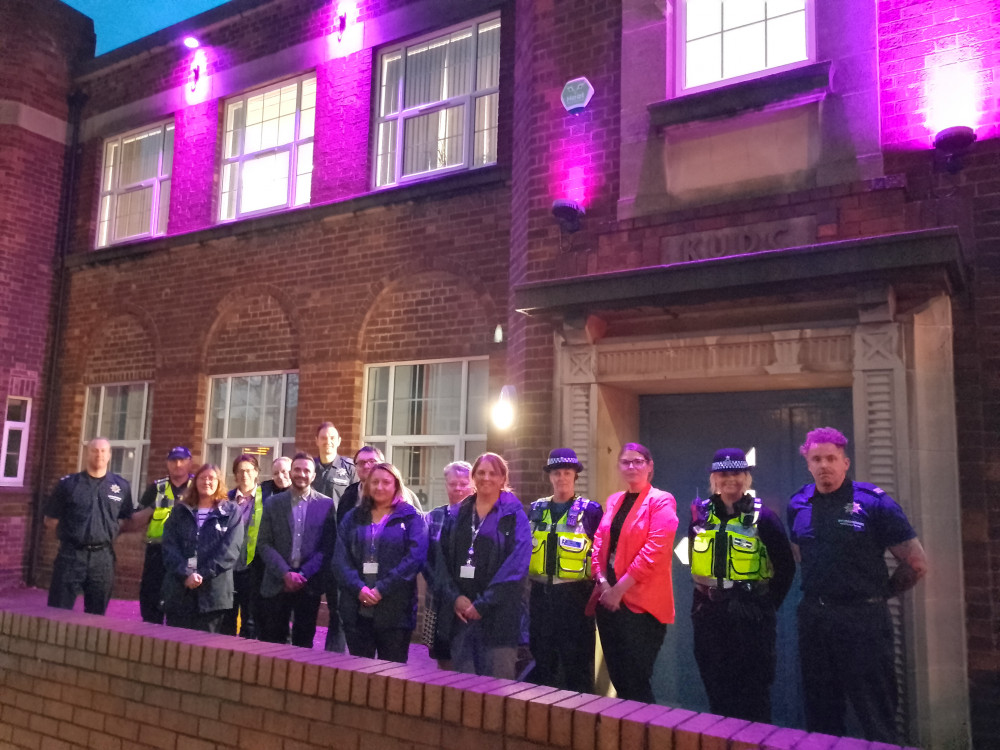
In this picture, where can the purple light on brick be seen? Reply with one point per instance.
(191, 42)
(954, 97)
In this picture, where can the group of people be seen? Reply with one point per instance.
(258, 559)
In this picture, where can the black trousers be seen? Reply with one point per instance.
(562, 636)
(734, 647)
(631, 642)
(276, 611)
(335, 640)
(151, 585)
(246, 603)
(846, 653)
(91, 572)
(364, 639)
(209, 622)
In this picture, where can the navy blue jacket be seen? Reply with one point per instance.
(400, 550)
(216, 546)
(499, 591)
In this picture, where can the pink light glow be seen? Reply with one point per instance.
(954, 97)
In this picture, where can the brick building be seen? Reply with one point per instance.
(345, 211)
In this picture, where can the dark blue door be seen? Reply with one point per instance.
(683, 432)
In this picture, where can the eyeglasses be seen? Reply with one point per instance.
(628, 463)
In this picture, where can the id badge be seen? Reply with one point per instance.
(369, 568)
(467, 571)
(192, 563)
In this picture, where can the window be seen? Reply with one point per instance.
(14, 450)
(135, 185)
(437, 104)
(426, 415)
(121, 413)
(252, 414)
(267, 157)
(724, 41)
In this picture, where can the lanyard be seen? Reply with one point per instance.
(475, 533)
(374, 531)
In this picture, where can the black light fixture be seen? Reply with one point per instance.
(954, 143)
(568, 213)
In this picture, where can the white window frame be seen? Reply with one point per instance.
(391, 442)
(224, 443)
(400, 117)
(241, 159)
(111, 191)
(12, 426)
(680, 44)
(140, 445)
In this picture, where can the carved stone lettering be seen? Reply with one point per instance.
(739, 240)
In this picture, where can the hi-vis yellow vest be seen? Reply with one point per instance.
(745, 556)
(258, 510)
(162, 506)
(571, 558)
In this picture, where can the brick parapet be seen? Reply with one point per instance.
(74, 680)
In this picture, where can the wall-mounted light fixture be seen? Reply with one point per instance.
(568, 213)
(498, 334)
(954, 143)
(191, 42)
(503, 412)
(339, 21)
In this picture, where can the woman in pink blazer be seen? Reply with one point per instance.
(631, 562)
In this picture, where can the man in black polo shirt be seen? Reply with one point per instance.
(87, 509)
(839, 531)
(334, 474)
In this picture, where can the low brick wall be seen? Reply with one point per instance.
(69, 679)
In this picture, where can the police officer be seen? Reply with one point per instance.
(742, 567)
(840, 530)
(87, 509)
(155, 505)
(562, 528)
(334, 474)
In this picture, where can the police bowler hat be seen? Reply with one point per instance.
(178, 453)
(563, 458)
(730, 459)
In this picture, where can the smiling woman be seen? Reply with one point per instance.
(118, 22)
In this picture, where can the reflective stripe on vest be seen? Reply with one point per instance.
(743, 555)
(161, 510)
(258, 510)
(559, 550)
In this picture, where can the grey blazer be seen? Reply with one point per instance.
(274, 542)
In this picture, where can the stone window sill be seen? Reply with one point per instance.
(788, 88)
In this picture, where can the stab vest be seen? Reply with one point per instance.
(162, 506)
(728, 550)
(562, 550)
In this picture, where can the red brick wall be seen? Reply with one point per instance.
(75, 680)
(41, 42)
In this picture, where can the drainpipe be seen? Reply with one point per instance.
(77, 99)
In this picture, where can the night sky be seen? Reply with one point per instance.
(119, 22)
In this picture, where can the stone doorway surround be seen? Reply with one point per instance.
(900, 369)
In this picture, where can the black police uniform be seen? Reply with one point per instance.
(88, 510)
(845, 631)
(151, 583)
(560, 633)
(332, 480)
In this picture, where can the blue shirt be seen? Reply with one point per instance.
(843, 537)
